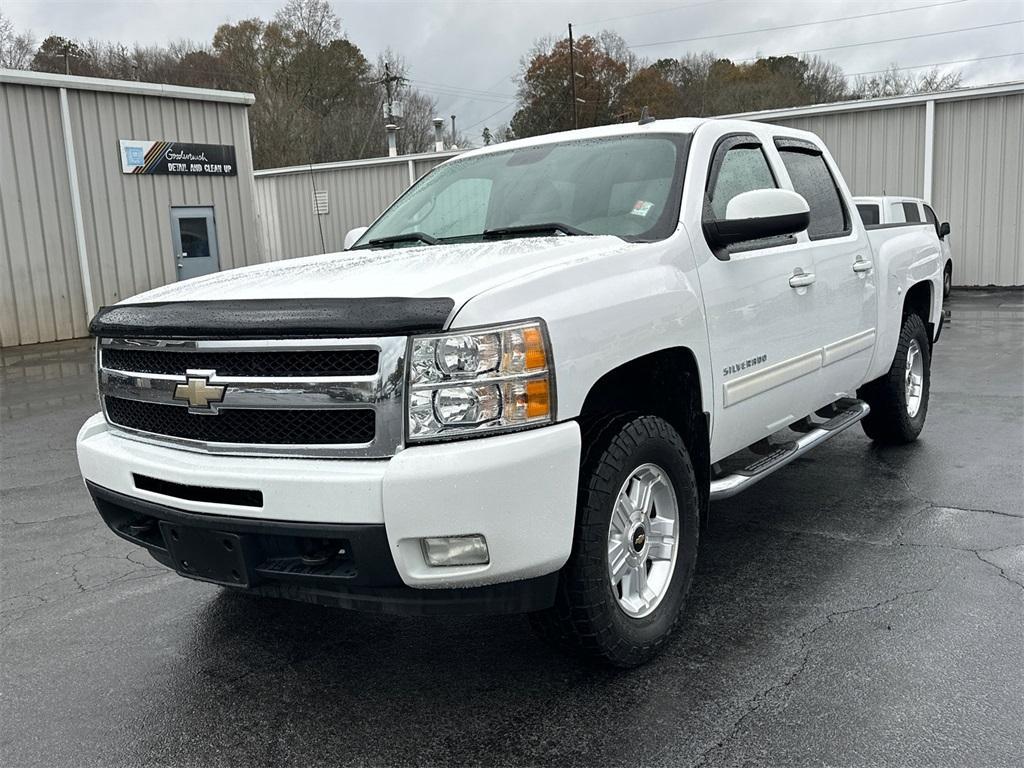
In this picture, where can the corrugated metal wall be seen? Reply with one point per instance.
(357, 193)
(854, 139)
(979, 186)
(978, 167)
(40, 284)
(126, 217)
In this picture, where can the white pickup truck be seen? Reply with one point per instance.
(889, 210)
(519, 389)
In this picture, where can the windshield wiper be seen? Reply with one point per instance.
(532, 229)
(405, 237)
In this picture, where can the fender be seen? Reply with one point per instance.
(904, 257)
(605, 310)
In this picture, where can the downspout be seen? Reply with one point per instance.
(76, 204)
(929, 149)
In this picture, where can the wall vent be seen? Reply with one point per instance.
(320, 202)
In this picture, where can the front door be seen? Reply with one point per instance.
(761, 314)
(194, 238)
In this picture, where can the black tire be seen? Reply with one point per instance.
(587, 617)
(890, 422)
(947, 281)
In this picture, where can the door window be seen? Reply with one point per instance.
(911, 212)
(743, 168)
(813, 180)
(195, 237)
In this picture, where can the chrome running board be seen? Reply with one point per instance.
(850, 411)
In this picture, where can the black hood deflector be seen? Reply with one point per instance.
(272, 318)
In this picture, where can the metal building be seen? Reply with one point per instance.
(962, 151)
(308, 209)
(109, 188)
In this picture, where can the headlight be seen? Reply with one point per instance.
(482, 380)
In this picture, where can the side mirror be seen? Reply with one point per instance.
(943, 229)
(758, 214)
(352, 236)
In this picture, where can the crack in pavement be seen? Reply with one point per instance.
(1002, 571)
(759, 700)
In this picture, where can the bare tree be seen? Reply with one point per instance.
(313, 19)
(896, 82)
(16, 49)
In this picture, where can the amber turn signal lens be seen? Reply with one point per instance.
(536, 359)
(538, 399)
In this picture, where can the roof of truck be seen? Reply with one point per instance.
(672, 125)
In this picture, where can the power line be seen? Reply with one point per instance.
(454, 93)
(459, 88)
(937, 64)
(649, 13)
(801, 24)
(480, 122)
(886, 40)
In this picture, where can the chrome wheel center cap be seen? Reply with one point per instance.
(638, 539)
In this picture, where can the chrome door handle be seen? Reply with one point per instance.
(861, 265)
(801, 279)
(180, 265)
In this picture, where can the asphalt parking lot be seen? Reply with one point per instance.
(860, 607)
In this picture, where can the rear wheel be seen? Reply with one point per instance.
(947, 281)
(622, 591)
(899, 399)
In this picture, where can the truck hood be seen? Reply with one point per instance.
(457, 271)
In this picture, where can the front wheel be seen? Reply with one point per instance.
(899, 399)
(622, 591)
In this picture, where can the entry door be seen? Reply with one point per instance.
(194, 239)
(760, 302)
(845, 293)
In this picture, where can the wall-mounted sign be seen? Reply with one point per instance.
(177, 158)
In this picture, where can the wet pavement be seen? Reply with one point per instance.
(860, 607)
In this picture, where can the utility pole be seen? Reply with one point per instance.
(388, 81)
(67, 57)
(453, 131)
(572, 80)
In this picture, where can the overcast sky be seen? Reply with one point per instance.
(465, 52)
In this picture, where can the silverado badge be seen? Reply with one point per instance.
(198, 392)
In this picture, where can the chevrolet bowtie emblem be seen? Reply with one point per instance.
(199, 392)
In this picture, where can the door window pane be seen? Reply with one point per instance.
(812, 179)
(743, 169)
(195, 239)
(910, 212)
(868, 213)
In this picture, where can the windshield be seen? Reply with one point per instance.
(624, 186)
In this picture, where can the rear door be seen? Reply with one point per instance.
(845, 293)
(760, 319)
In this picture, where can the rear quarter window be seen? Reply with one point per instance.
(911, 212)
(868, 214)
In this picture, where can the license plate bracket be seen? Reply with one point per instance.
(206, 554)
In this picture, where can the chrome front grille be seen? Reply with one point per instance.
(289, 397)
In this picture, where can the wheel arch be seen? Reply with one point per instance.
(664, 383)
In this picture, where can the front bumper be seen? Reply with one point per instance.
(517, 490)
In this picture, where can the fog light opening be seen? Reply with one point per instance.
(440, 551)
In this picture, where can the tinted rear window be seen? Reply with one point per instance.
(868, 213)
(911, 212)
(812, 179)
